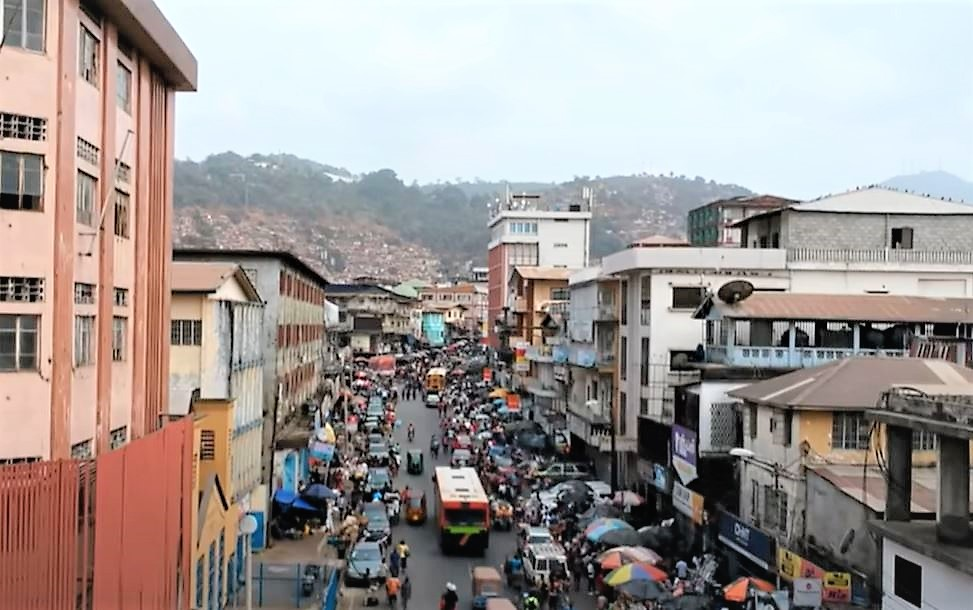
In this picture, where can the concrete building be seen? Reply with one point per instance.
(467, 295)
(713, 225)
(372, 318)
(526, 231)
(535, 294)
(293, 341)
(216, 353)
(86, 140)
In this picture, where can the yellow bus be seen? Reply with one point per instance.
(462, 510)
(435, 380)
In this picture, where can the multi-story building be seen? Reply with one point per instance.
(471, 297)
(373, 319)
(713, 225)
(526, 231)
(86, 132)
(216, 353)
(293, 341)
(535, 293)
(479, 275)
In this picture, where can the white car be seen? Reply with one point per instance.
(601, 490)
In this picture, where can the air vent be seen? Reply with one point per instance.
(22, 127)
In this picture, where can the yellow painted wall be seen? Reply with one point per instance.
(217, 415)
(815, 428)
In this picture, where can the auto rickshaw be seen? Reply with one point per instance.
(415, 508)
(487, 583)
(413, 461)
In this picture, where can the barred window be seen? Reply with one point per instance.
(21, 289)
(122, 206)
(88, 151)
(23, 127)
(121, 297)
(923, 441)
(849, 431)
(119, 338)
(84, 340)
(119, 436)
(82, 450)
(85, 206)
(84, 294)
(186, 332)
(207, 445)
(124, 172)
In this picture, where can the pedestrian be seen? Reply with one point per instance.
(403, 551)
(406, 592)
(591, 577)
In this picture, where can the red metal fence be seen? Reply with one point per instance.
(108, 533)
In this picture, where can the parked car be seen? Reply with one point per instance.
(378, 527)
(379, 479)
(378, 453)
(460, 458)
(564, 471)
(364, 558)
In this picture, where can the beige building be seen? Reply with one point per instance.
(87, 98)
(536, 292)
(469, 296)
(216, 354)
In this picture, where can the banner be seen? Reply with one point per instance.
(487, 374)
(513, 401)
(521, 364)
(684, 453)
(688, 502)
(835, 586)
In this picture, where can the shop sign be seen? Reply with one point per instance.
(836, 586)
(521, 364)
(684, 453)
(513, 401)
(487, 374)
(747, 540)
(807, 592)
(660, 477)
(688, 502)
(788, 564)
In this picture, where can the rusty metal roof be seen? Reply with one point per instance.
(848, 308)
(868, 485)
(851, 383)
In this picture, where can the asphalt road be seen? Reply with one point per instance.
(429, 569)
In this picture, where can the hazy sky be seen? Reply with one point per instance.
(796, 99)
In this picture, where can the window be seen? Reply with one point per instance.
(121, 297)
(752, 420)
(645, 300)
(119, 336)
(644, 361)
(623, 360)
(220, 550)
(622, 412)
(775, 240)
(780, 427)
(23, 24)
(18, 342)
(902, 238)
(186, 332)
(125, 48)
(20, 460)
(687, 297)
(124, 172)
(84, 333)
(923, 441)
(20, 126)
(123, 88)
(624, 297)
(84, 294)
(849, 431)
(21, 181)
(87, 151)
(560, 294)
(118, 437)
(21, 289)
(122, 203)
(775, 508)
(84, 206)
(522, 254)
(644, 407)
(207, 445)
(82, 450)
(907, 581)
(89, 56)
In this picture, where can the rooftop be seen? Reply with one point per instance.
(659, 241)
(921, 537)
(238, 255)
(543, 273)
(851, 383)
(840, 308)
(463, 288)
(867, 485)
(209, 277)
(752, 201)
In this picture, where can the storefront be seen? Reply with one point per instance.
(751, 551)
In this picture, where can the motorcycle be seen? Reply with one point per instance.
(393, 506)
(503, 515)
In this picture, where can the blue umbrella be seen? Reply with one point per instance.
(319, 491)
(285, 496)
(300, 504)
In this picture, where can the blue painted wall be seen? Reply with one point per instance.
(434, 328)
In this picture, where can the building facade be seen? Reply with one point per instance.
(528, 231)
(373, 319)
(467, 295)
(217, 322)
(293, 341)
(86, 119)
(713, 225)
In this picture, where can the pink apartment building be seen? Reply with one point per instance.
(86, 145)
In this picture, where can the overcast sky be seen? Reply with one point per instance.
(795, 99)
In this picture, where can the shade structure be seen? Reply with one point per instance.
(627, 498)
(621, 555)
(319, 491)
(620, 537)
(634, 571)
(285, 496)
(739, 589)
(642, 589)
(599, 527)
(498, 393)
(597, 511)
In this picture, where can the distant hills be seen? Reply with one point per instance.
(934, 184)
(374, 224)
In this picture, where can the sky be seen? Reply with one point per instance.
(796, 99)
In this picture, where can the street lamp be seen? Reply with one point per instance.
(248, 525)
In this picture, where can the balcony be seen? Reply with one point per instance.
(606, 312)
(789, 358)
(605, 361)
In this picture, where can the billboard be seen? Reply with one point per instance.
(684, 454)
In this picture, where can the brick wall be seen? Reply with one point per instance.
(871, 231)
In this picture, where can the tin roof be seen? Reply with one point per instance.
(868, 485)
(851, 383)
(847, 307)
(209, 277)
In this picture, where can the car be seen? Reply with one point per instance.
(462, 441)
(432, 399)
(365, 557)
(374, 410)
(502, 461)
(461, 458)
(600, 489)
(564, 471)
(375, 437)
(378, 479)
(378, 528)
(534, 535)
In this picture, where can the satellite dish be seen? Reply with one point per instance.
(735, 291)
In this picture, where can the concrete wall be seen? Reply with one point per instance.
(829, 515)
(873, 231)
(942, 587)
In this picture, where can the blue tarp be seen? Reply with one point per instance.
(302, 504)
(285, 496)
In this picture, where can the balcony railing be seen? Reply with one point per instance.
(784, 357)
(879, 256)
(606, 312)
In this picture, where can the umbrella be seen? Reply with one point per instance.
(596, 512)
(619, 537)
(498, 393)
(300, 504)
(739, 589)
(642, 589)
(628, 498)
(285, 496)
(599, 528)
(634, 571)
(319, 491)
(620, 555)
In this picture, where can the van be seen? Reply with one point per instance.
(542, 560)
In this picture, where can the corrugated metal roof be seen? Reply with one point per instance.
(201, 277)
(851, 383)
(543, 273)
(868, 486)
(848, 308)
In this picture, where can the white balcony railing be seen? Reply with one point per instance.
(784, 357)
(879, 256)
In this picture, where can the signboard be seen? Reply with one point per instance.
(487, 374)
(660, 477)
(521, 364)
(837, 587)
(688, 502)
(684, 453)
(807, 592)
(788, 564)
(513, 401)
(746, 540)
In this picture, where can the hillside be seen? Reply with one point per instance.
(935, 184)
(374, 224)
